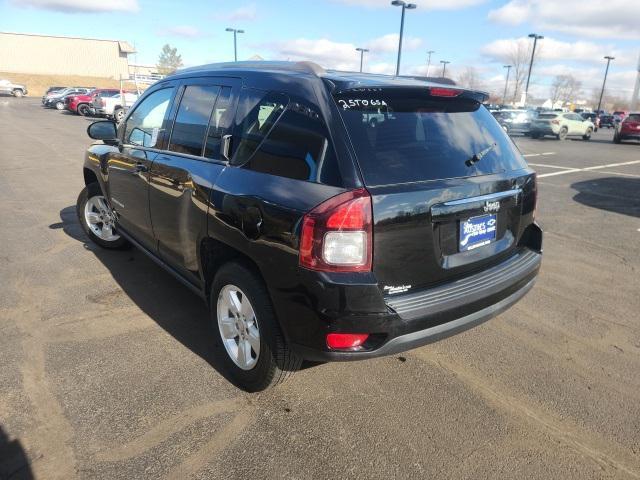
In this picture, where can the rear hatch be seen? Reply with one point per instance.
(544, 120)
(451, 193)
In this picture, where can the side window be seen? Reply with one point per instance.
(221, 119)
(298, 147)
(192, 119)
(257, 113)
(145, 123)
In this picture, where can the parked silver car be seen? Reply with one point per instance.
(14, 89)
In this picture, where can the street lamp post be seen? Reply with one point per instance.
(606, 71)
(535, 37)
(405, 6)
(429, 60)
(361, 50)
(444, 66)
(235, 41)
(506, 84)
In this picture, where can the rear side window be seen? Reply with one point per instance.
(221, 119)
(192, 119)
(403, 136)
(296, 146)
(547, 116)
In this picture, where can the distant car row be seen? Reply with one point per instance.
(90, 101)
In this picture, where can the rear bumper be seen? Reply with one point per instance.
(428, 316)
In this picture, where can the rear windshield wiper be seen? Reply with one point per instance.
(479, 156)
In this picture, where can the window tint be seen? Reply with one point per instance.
(257, 112)
(634, 117)
(192, 119)
(416, 137)
(298, 147)
(145, 123)
(546, 116)
(221, 119)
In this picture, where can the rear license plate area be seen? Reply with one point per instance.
(477, 231)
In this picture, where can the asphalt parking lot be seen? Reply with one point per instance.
(107, 370)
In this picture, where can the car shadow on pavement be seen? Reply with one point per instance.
(14, 463)
(174, 307)
(614, 194)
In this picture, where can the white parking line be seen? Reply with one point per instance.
(588, 169)
(549, 153)
(538, 154)
(550, 166)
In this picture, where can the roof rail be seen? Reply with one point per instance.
(304, 66)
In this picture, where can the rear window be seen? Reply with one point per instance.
(634, 117)
(405, 136)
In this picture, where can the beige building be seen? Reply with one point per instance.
(49, 55)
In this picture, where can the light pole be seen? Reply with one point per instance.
(606, 71)
(235, 41)
(405, 6)
(444, 66)
(429, 60)
(361, 50)
(535, 37)
(506, 84)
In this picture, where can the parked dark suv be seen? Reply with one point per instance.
(322, 215)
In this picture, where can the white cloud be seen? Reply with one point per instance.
(422, 4)
(246, 13)
(389, 43)
(342, 55)
(80, 6)
(185, 31)
(556, 50)
(599, 19)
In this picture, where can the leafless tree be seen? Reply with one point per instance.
(565, 88)
(469, 78)
(519, 58)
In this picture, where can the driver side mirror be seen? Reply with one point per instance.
(103, 130)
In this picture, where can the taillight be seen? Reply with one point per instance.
(346, 341)
(337, 235)
(444, 92)
(555, 122)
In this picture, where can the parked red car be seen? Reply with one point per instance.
(628, 129)
(83, 104)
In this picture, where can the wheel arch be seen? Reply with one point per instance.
(89, 176)
(214, 254)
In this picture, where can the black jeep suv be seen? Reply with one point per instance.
(322, 215)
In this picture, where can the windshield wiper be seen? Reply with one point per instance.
(479, 156)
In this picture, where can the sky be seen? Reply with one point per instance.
(468, 33)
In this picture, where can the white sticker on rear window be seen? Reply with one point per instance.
(361, 102)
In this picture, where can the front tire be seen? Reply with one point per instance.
(587, 135)
(18, 93)
(118, 114)
(250, 344)
(59, 105)
(97, 218)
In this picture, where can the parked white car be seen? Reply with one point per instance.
(561, 125)
(114, 107)
(14, 89)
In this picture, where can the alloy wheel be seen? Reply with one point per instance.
(238, 327)
(100, 218)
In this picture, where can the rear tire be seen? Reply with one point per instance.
(535, 135)
(18, 93)
(59, 105)
(97, 219)
(587, 135)
(563, 134)
(83, 109)
(241, 308)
